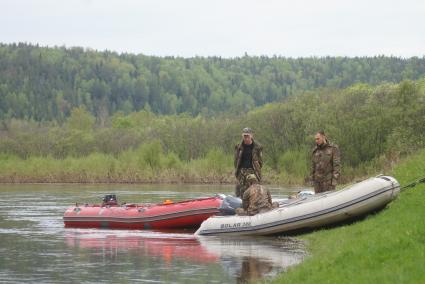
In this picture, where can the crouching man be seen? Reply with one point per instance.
(256, 199)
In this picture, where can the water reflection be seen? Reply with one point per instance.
(146, 244)
(36, 248)
(249, 258)
(253, 269)
(244, 259)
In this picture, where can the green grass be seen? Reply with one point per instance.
(388, 247)
(143, 165)
(149, 163)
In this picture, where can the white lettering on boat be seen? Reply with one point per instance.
(235, 225)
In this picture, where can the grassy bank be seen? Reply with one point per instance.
(388, 247)
(144, 165)
(149, 163)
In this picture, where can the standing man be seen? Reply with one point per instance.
(248, 160)
(325, 166)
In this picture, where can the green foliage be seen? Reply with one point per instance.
(119, 121)
(373, 126)
(46, 84)
(410, 169)
(70, 142)
(216, 166)
(294, 166)
(138, 165)
(172, 161)
(217, 161)
(151, 155)
(80, 119)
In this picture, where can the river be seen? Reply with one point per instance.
(36, 248)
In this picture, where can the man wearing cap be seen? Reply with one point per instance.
(248, 160)
(256, 199)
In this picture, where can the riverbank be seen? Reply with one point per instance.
(130, 167)
(147, 166)
(388, 247)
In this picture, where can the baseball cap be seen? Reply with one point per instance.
(247, 131)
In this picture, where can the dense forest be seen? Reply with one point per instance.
(46, 84)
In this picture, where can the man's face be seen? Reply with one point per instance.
(247, 139)
(319, 139)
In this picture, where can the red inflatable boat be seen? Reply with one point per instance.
(167, 215)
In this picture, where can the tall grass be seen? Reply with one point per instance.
(150, 163)
(294, 166)
(146, 164)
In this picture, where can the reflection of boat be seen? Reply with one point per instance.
(281, 253)
(309, 211)
(245, 258)
(165, 246)
(184, 214)
(251, 259)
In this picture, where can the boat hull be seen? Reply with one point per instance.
(185, 214)
(309, 211)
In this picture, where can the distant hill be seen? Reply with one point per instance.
(45, 84)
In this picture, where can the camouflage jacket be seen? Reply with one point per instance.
(255, 199)
(325, 163)
(257, 158)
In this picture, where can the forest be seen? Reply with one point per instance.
(46, 84)
(374, 126)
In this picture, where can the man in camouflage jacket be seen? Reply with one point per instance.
(256, 199)
(325, 164)
(248, 159)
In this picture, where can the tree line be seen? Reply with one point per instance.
(46, 84)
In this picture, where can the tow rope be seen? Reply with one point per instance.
(413, 184)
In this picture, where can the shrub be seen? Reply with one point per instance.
(294, 162)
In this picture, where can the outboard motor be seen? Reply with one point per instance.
(229, 205)
(109, 199)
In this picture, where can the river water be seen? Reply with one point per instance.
(36, 248)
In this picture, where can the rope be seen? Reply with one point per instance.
(413, 184)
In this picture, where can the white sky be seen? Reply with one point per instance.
(226, 28)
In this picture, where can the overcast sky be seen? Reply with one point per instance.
(226, 28)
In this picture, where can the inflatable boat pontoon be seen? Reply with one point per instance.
(167, 215)
(309, 211)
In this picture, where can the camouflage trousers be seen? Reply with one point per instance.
(242, 183)
(323, 186)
